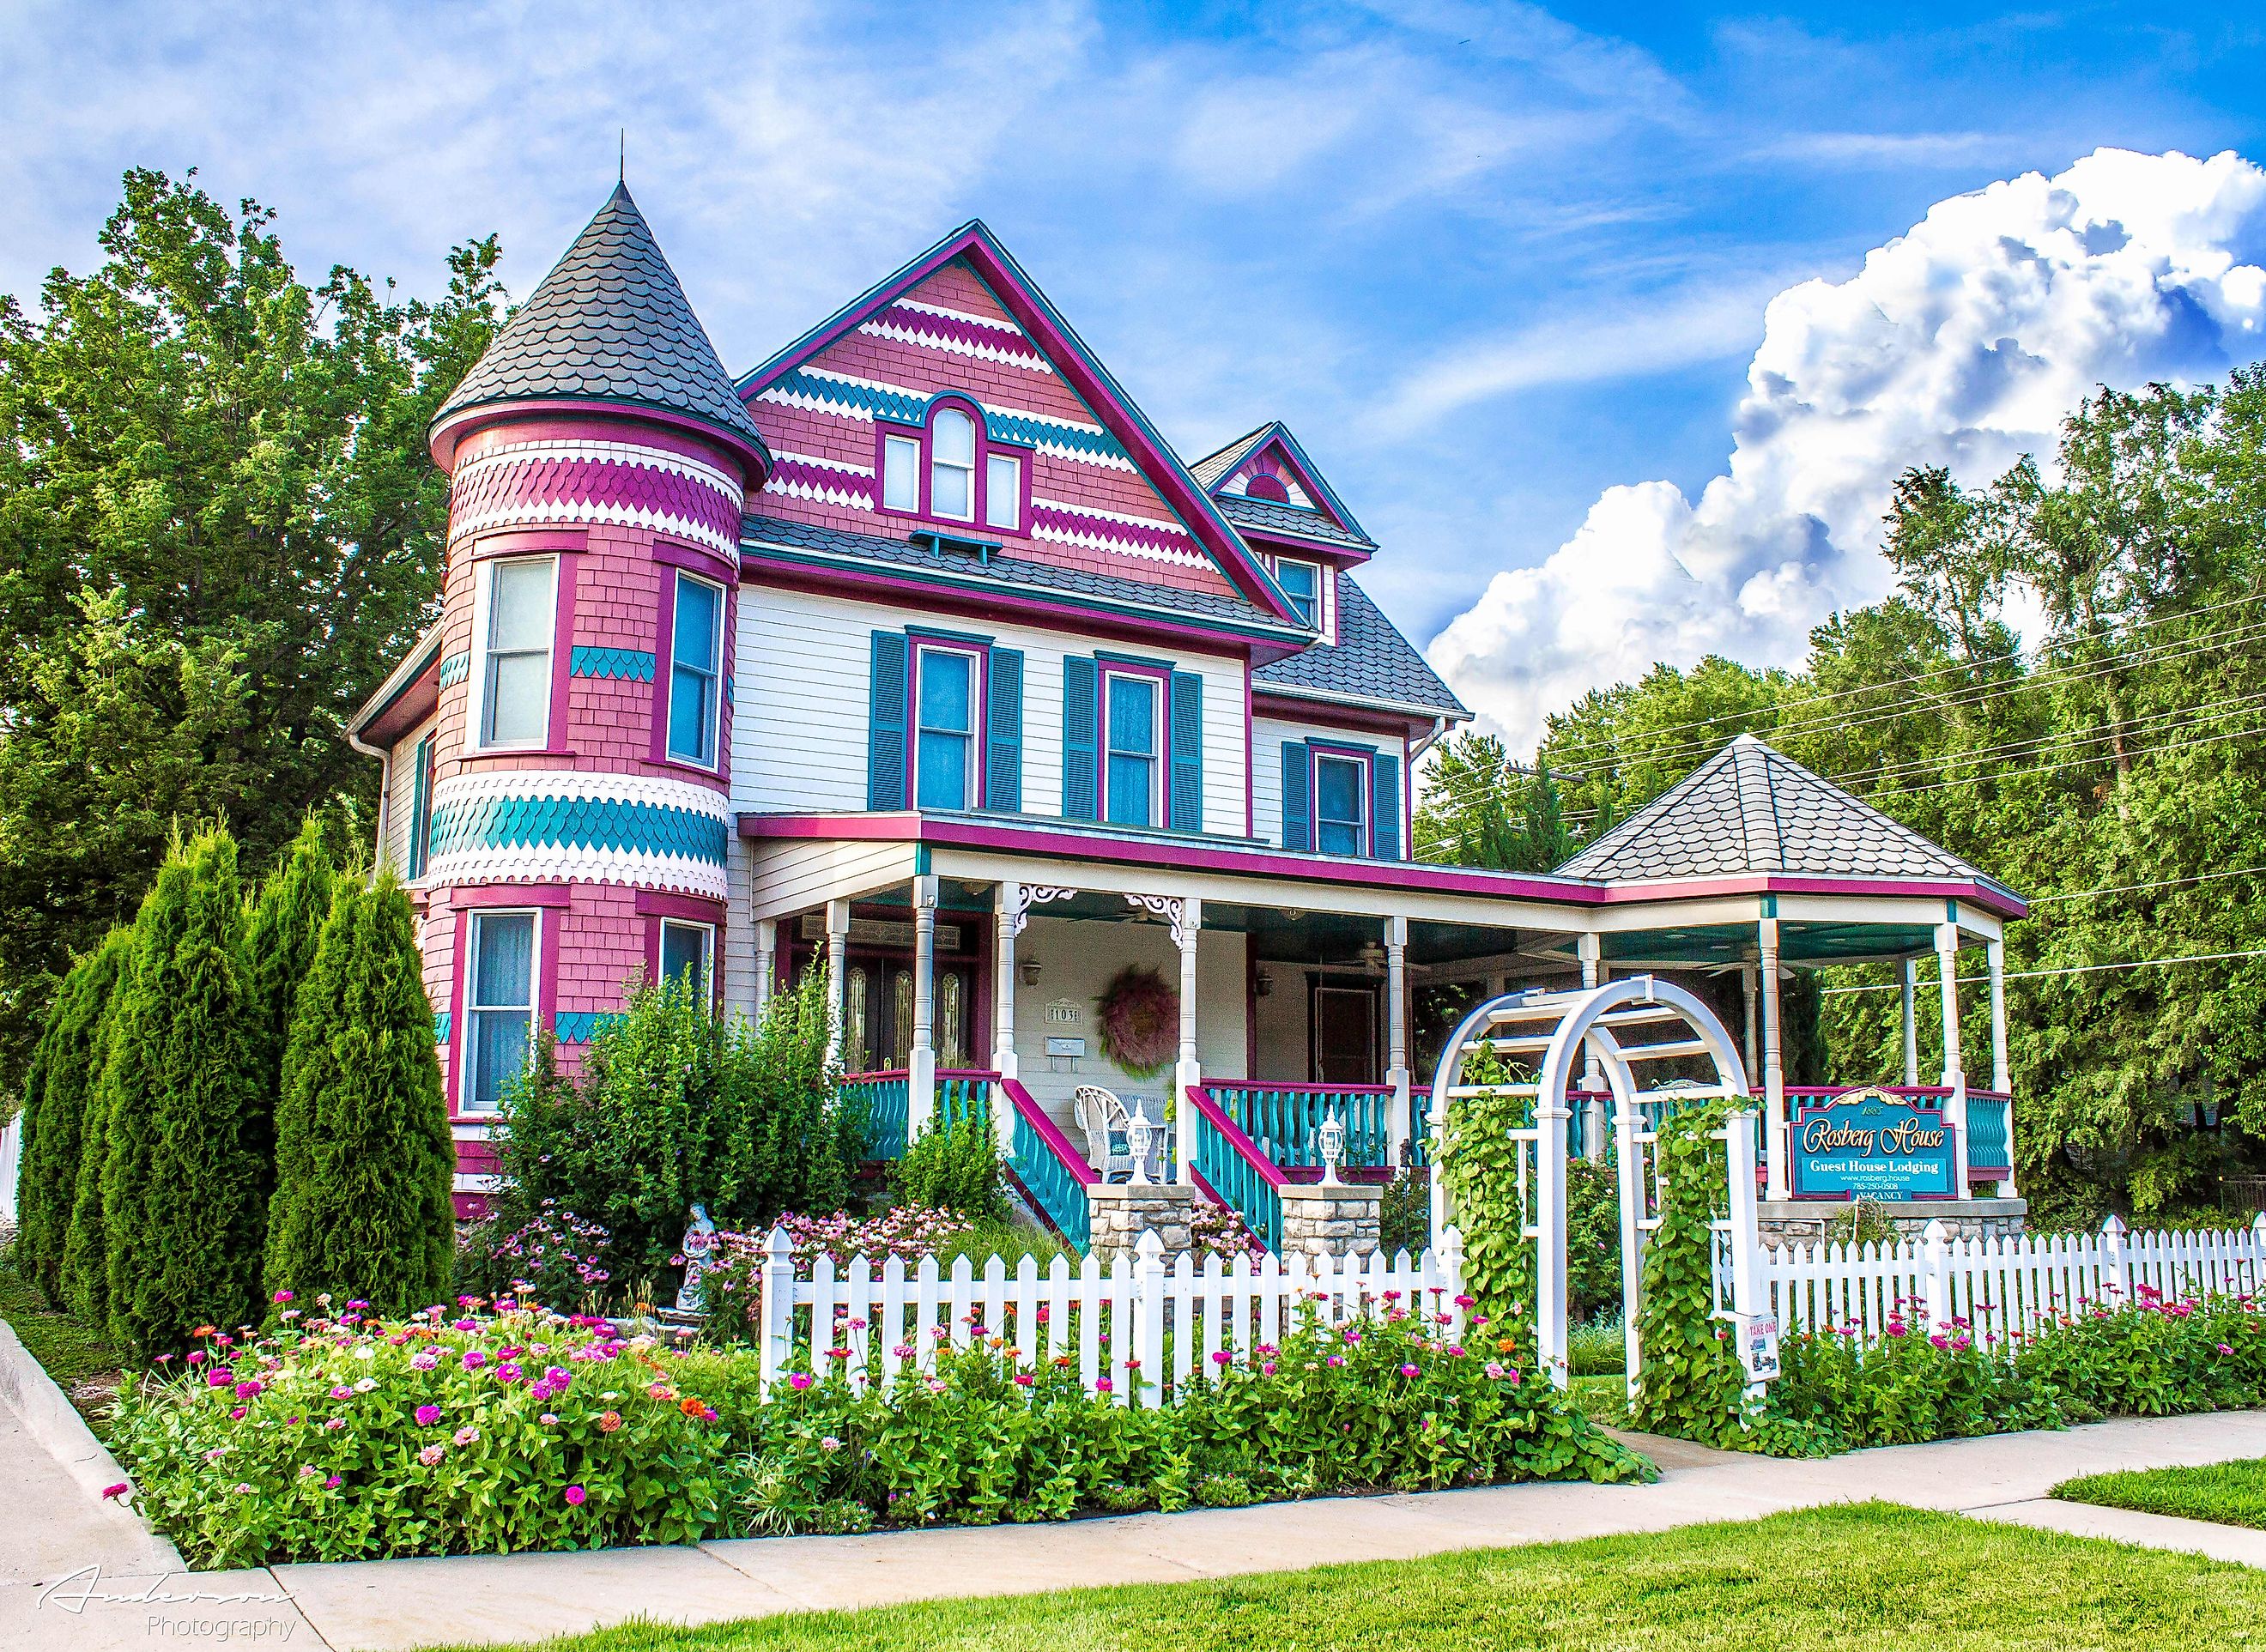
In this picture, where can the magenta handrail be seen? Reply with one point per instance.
(1032, 1114)
(1231, 1133)
(1298, 1089)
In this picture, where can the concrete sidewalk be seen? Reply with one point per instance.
(406, 1604)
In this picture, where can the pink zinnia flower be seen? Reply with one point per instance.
(1408, 1370)
(281, 1296)
(427, 1415)
(1102, 1385)
(1220, 1356)
(330, 1484)
(800, 1380)
(118, 1490)
(577, 1496)
(432, 1454)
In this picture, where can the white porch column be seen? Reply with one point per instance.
(1946, 959)
(766, 962)
(1590, 949)
(1396, 1031)
(1747, 983)
(1187, 922)
(1911, 1020)
(920, 1083)
(2002, 1071)
(1010, 903)
(1773, 1071)
(837, 977)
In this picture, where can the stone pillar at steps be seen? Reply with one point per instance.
(1330, 1221)
(1122, 1212)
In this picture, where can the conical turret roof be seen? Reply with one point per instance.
(1750, 809)
(610, 322)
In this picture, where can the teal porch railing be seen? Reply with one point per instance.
(1231, 1169)
(1990, 1133)
(1283, 1120)
(963, 1093)
(1052, 1173)
(886, 1101)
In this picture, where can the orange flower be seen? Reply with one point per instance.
(205, 1330)
(1507, 1345)
(691, 1406)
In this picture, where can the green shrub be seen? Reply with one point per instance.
(1593, 1240)
(56, 1095)
(953, 1165)
(365, 1162)
(1404, 1214)
(183, 1225)
(284, 931)
(1479, 1163)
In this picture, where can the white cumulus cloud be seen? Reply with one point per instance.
(1963, 342)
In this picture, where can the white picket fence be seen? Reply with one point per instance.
(872, 1324)
(2000, 1285)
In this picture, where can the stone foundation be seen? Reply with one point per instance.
(1122, 1212)
(1808, 1220)
(1339, 1221)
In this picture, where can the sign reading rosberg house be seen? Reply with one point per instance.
(1870, 1145)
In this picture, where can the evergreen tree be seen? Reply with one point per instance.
(286, 925)
(365, 1161)
(83, 1274)
(181, 1229)
(55, 1113)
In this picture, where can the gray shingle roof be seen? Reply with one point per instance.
(1748, 808)
(610, 322)
(1209, 469)
(1261, 515)
(1371, 658)
(756, 531)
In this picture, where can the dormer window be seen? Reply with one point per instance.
(1302, 584)
(950, 470)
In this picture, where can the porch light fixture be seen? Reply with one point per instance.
(1030, 972)
(1140, 1137)
(1330, 1138)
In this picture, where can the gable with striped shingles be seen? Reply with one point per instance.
(1092, 510)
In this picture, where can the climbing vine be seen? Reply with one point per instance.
(1479, 1162)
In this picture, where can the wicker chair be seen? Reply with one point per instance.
(1103, 1118)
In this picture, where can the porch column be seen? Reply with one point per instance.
(1911, 1020)
(920, 1083)
(1748, 982)
(1774, 1072)
(1396, 1031)
(2002, 1071)
(837, 977)
(1188, 1074)
(1590, 949)
(1010, 903)
(1946, 959)
(766, 962)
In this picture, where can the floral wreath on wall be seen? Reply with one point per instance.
(1138, 1017)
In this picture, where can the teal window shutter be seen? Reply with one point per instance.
(1187, 811)
(1003, 733)
(420, 809)
(1384, 806)
(1081, 693)
(885, 745)
(1297, 795)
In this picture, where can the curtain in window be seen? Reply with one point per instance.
(502, 1006)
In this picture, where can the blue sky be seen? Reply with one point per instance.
(1505, 270)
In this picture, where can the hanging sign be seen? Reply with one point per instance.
(1868, 1144)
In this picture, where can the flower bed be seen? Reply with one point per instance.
(2145, 1357)
(517, 1428)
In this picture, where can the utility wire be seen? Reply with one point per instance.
(2072, 969)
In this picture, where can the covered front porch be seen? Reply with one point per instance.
(975, 958)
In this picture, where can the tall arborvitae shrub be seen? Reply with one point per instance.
(55, 1113)
(286, 924)
(182, 1229)
(85, 1274)
(365, 1161)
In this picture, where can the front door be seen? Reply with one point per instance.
(878, 1012)
(1345, 1035)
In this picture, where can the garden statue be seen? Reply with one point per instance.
(699, 1239)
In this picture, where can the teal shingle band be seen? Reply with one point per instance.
(440, 1026)
(453, 669)
(634, 665)
(912, 410)
(580, 1026)
(579, 822)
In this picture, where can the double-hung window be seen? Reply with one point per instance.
(420, 809)
(1135, 765)
(951, 465)
(696, 670)
(522, 617)
(500, 1004)
(1003, 492)
(901, 474)
(1302, 584)
(687, 952)
(1341, 805)
(945, 699)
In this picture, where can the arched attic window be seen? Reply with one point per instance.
(1267, 485)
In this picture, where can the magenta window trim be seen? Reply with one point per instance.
(1363, 757)
(664, 661)
(695, 559)
(465, 896)
(1162, 796)
(548, 903)
(972, 526)
(712, 923)
(530, 542)
(920, 642)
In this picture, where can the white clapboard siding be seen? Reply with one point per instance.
(1135, 1318)
(1268, 735)
(2002, 1285)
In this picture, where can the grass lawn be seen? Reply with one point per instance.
(81, 1362)
(1863, 1575)
(2233, 1494)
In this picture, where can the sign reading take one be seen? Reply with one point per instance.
(1874, 1145)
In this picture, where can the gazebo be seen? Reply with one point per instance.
(1753, 864)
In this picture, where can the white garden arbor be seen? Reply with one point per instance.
(1586, 1045)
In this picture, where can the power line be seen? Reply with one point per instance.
(2135, 888)
(2071, 970)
